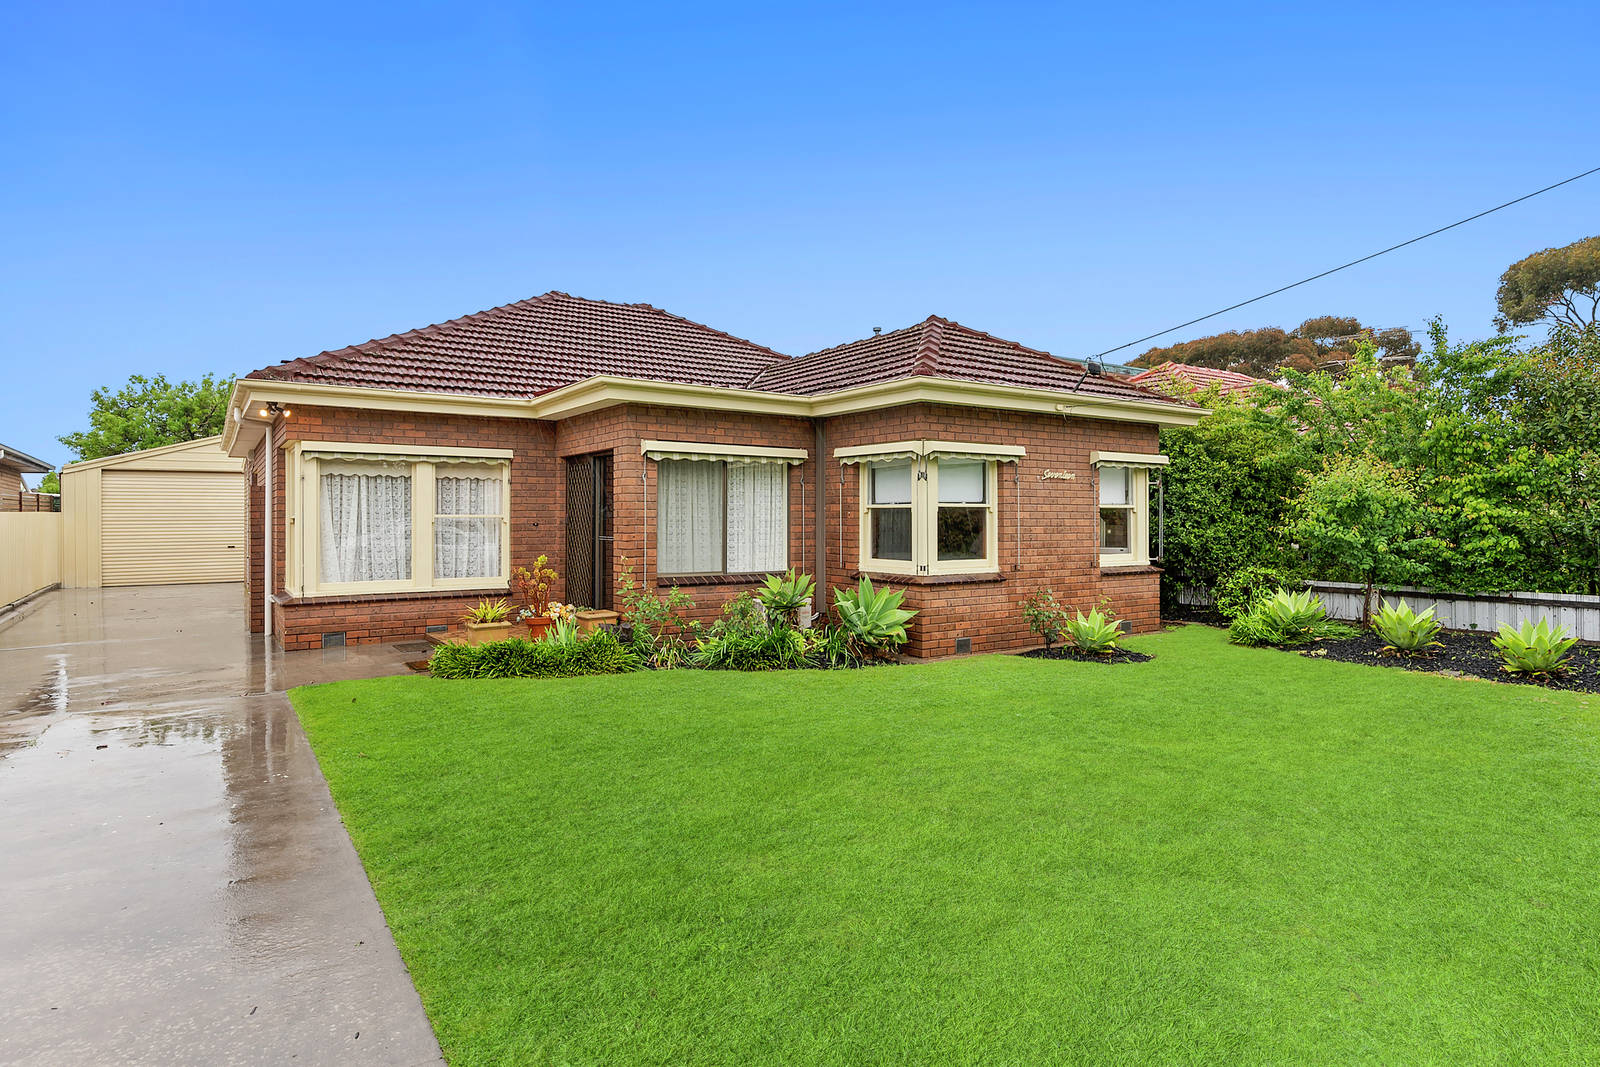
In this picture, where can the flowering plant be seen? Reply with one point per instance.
(562, 612)
(532, 587)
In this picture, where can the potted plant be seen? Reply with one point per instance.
(489, 621)
(532, 588)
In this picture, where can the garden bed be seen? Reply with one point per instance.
(1461, 654)
(1120, 655)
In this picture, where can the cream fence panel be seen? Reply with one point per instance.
(30, 553)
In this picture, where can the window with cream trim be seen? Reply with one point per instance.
(718, 516)
(928, 515)
(388, 521)
(1124, 516)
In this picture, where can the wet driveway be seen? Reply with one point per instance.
(175, 885)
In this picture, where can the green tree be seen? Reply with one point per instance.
(1269, 351)
(1357, 519)
(1558, 285)
(149, 412)
(50, 483)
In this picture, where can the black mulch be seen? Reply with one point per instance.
(1120, 655)
(1469, 654)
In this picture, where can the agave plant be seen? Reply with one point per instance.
(1284, 619)
(784, 597)
(873, 618)
(1095, 632)
(1537, 650)
(1404, 631)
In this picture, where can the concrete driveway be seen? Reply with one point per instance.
(175, 884)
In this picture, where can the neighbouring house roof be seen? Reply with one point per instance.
(1185, 378)
(940, 348)
(18, 460)
(533, 346)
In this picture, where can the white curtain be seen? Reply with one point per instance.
(366, 527)
(758, 517)
(689, 512)
(466, 536)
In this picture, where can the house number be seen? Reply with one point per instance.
(1057, 476)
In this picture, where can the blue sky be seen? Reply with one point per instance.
(215, 187)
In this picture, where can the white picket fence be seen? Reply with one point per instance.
(1483, 612)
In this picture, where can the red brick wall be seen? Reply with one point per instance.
(300, 623)
(1056, 535)
(1056, 529)
(620, 430)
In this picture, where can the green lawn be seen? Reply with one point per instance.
(1221, 856)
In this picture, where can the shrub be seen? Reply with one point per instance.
(1044, 614)
(1536, 650)
(596, 653)
(769, 648)
(659, 623)
(873, 619)
(1237, 590)
(829, 647)
(1404, 632)
(1283, 620)
(784, 597)
(744, 614)
(1095, 632)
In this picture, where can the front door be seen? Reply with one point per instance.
(589, 530)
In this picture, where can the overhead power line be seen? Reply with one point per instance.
(1346, 266)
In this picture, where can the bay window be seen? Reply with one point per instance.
(721, 509)
(929, 507)
(378, 518)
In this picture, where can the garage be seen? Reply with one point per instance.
(162, 516)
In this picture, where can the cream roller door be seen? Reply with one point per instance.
(171, 526)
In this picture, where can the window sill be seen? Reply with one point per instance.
(978, 578)
(407, 594)
(666, 581)
(1120, 570)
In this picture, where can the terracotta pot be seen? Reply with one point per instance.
(537, 625)
(591, 620)
(479, 633)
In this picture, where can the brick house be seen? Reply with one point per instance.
(394, 483)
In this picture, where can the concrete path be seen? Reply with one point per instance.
(175, 884)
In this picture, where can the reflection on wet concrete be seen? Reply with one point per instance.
(177, 885)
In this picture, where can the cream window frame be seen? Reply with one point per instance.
(307, 460)
(925, 519)
(723, 461)
(1138, 554)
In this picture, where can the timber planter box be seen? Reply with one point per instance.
(479, 633)
(592, 620)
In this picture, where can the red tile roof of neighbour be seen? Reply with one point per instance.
(534, 346)
(1185, 378)
(939, 348)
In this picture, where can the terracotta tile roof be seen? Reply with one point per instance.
(1185, 378)
(940, 348)
(536, 345)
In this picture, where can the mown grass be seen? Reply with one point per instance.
(1221, 856)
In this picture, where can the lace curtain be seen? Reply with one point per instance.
(366, 527)
(758, 517)
(466, 533)
(689, 513)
